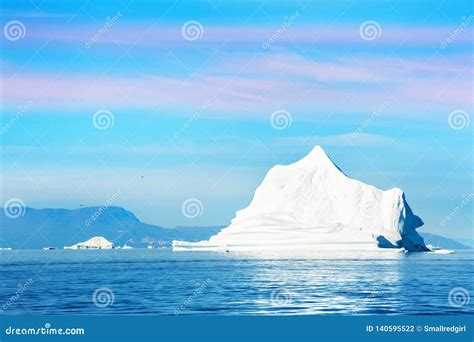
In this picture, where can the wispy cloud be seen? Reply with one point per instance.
(149, 35)
(347, 139)
(259, 84)
(209, 149)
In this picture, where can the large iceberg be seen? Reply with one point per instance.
(313, 204)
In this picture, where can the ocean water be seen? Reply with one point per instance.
(159, 281)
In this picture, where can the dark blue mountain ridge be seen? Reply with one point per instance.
(443, 242)
(38, 228)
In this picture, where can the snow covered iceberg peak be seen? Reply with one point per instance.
(313, 204)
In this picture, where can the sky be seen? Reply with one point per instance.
(147, 105)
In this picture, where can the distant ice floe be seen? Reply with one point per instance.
(438, 250)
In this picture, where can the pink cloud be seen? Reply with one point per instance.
(144, 34)
(258, 85)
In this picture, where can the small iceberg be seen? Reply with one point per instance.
(439, 250)
(97, 242)
(443, 251)
(126, 247)
(49, 248)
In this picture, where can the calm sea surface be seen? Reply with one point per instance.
(160, 281)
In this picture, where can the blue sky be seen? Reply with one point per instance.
(384, 86)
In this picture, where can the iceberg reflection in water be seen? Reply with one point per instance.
(162, 282)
